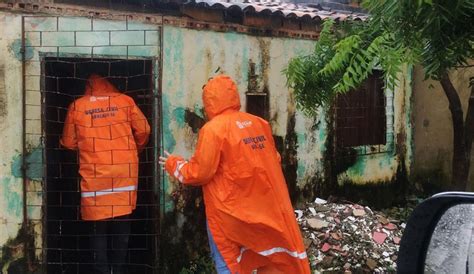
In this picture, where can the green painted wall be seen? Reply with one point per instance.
(190, 58)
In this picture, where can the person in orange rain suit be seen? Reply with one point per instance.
(248, 209)
(109, 130)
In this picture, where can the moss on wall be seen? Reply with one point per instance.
(18, 254)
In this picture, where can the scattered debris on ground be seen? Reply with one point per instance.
(347, 237)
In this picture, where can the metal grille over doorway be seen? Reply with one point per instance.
(54, 77)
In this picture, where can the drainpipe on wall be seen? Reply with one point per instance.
(23, 137)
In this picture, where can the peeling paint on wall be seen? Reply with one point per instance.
(17, 254)
(190, 58)
(16, 50)
(34, 165)
(12, 196)
(3, 95)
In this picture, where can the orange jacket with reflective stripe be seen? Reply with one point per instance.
(108, 129)
(247, 203)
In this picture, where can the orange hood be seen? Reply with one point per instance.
(219, 95)
(98, 85)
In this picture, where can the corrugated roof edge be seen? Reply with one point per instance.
(270, 8)
(258, 21)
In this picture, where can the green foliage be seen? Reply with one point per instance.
(302, 73)
(436, 33)
(203, 265)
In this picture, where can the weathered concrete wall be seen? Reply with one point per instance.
(382, 167)
(11, 185)
(44, 36)
(190, 57)
(433, 138)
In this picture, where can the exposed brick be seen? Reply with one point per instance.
(41, 23)
(208, 15)
(152, 37)
(38, 50)
(76, 50)
(146, 51)
(131, 25)
(99, 24)
(95, 38)
(32, 83)
(310, 25)
(291, 24)
(57, 39)
(33, 97)
(255, 20)
(34, 38)
(33, 126)
(33, 112)
(33, 68)
(74, 24)
(120, 38)
(110, 50)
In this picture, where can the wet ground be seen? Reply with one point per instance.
(451, 248)
(345, 237)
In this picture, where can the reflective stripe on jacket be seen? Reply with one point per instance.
(247, 203)
(108, 129)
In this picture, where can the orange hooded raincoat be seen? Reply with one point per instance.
(108, 129)
(248, 208)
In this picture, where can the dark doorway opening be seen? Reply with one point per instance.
(66, 235)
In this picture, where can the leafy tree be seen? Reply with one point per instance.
(438, 34)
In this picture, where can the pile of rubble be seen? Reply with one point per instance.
(346, 237)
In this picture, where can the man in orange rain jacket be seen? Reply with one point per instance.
(108, 129)
(250, 218)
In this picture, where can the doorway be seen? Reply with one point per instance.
(66, 235)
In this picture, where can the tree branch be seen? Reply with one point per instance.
(465, 66)
(459, 177)
(453, 99)
(469, 124)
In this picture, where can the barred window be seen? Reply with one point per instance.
(257, 104)
(360, 114)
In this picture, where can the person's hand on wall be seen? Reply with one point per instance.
(163, 159)
(162, 163)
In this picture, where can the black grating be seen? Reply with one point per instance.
(257, 104)
(361, 114)
(67, 246)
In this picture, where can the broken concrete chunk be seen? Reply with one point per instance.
(358, 212)
(347, 235)
(382, 220)
(326, 247)
(356, 206)
(307, 242)
(347, 212)
(336, 236)
(299, 214)
(321, 208)
(327, 261)
(390, 226)
(371, 264)
(379, 237)
(320, 201)
(396, 240)
(315, 223)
